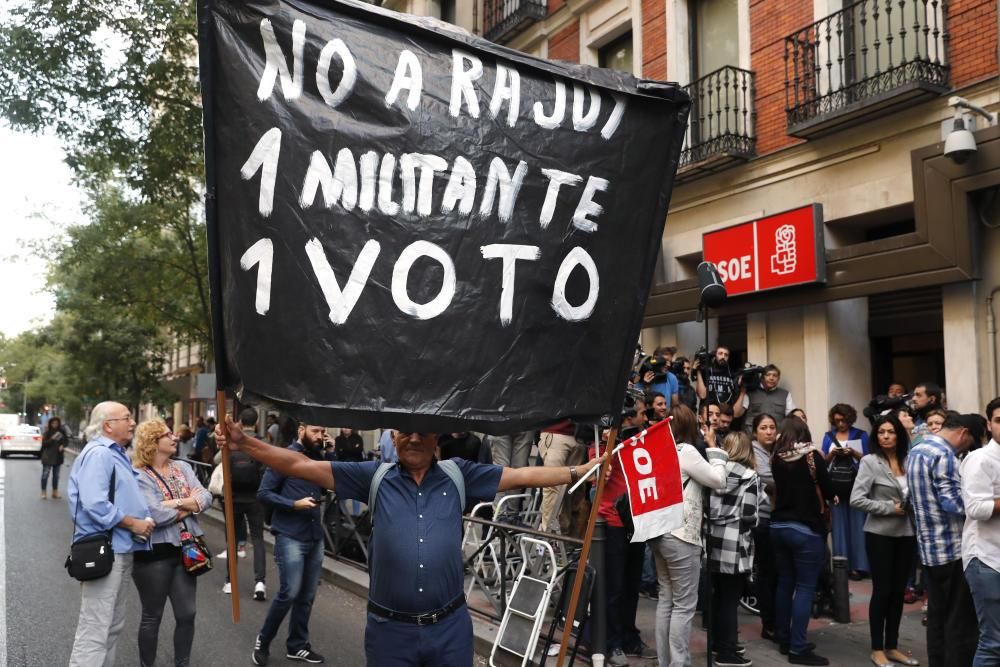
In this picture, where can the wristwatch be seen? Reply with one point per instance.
(177, 503)
(574, 476)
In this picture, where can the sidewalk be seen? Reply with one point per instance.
(845, 644)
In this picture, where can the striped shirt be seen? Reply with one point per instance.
(934, 481)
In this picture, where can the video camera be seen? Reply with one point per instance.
(750, 375)
(882, 404)
(657, 365)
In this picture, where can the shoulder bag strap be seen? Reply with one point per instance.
(169, 490)
(812, 473)
(111, 498)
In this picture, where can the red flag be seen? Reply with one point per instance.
(653, 478)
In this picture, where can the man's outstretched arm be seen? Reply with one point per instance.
(541, 476)
(279, 459)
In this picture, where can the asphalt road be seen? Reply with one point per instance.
(42, 601)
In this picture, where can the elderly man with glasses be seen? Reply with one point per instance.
(101, 467)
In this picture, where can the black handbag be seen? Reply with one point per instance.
(91, 556)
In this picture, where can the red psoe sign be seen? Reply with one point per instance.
(777, 251)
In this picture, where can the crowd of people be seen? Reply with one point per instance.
(909, 504)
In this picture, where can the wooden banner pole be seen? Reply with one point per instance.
(227, 496)
(585, 550)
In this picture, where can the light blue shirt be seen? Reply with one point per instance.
(387, 448)
(88, 485)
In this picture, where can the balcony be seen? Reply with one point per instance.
(721, 125)
(502, 19)
(869, 59)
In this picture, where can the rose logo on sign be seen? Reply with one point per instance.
(783, 260)
(775, 251)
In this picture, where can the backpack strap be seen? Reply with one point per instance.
(455, 473)
(380, 473)
(449, 467)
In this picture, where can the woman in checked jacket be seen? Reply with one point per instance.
(732, 518)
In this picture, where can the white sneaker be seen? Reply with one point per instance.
(241, 551)
(259, 591)
(227, 588)
(222, 555)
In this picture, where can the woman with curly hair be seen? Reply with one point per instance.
(843, 447)
(174, 496)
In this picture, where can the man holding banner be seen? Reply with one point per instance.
(416, 606)
(460, 232)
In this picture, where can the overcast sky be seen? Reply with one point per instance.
(38, 201)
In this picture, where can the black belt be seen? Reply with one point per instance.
(425, 618)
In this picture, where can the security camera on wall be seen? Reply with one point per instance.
(960, 145)
(959, 141)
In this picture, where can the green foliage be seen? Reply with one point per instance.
(118, 83)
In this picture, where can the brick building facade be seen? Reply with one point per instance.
(801, 102)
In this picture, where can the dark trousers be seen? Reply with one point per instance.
(952, 627)
(299, 566)
(765, 579)
(726, 592)
(889, 559)
(157, 581)
(55, 477)
(623, 576)
(799, 558)
(447, 643)
(253, 514)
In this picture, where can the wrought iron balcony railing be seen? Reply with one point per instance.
(871, 55)
(502, 19)
(721, 125)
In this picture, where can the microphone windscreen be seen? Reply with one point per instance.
(710, 286)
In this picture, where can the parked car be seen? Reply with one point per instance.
(21, 439)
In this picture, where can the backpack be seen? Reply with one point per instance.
(842, 472)
(449, 467)
(246, 473)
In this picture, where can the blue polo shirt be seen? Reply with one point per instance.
(415, 554)
(88, 485)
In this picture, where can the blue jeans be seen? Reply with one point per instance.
(55, 477)
(798, 554)
(984, 582)
(648, 570)
(299, 565)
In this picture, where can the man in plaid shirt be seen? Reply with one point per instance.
(934, 483)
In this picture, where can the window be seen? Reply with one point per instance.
(617, 54)
(716, 35)
(448, 12)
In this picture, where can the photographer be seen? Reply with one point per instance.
(655, 375)
(714, 379)
(926, 397)
(768, 398)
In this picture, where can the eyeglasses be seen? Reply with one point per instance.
(165, 434)
(407, 434)
(119, 419)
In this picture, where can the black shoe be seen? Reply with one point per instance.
(768, 633)
(640, 650)
(260, 652)
(732, 661)
(306, 655)
(649, 594)
(783, 648)
(807, 658)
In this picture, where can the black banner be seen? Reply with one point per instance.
(412, 227)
